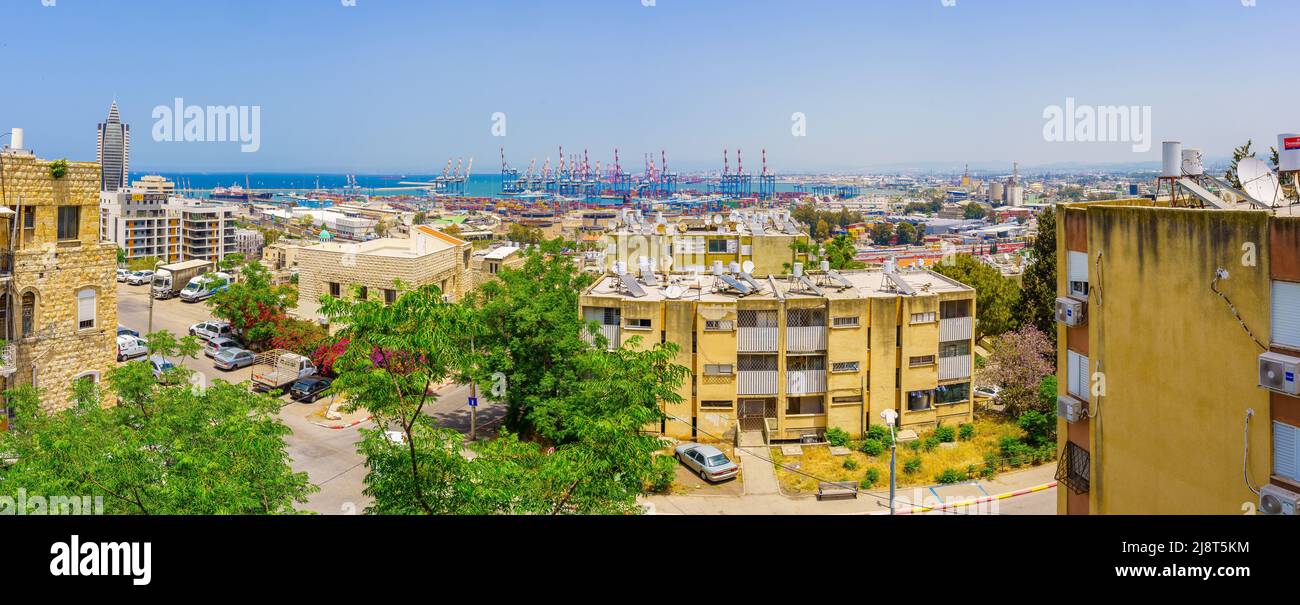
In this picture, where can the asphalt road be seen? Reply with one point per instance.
(328, 456)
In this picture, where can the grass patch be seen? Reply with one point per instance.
(818, 461)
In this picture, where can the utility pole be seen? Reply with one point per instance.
(891, 417)
(473, 398)
(149, 292)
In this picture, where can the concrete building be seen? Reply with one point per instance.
(249, 242)
(790, 358)
(113, 151)
(341, 225)
(694, 243)
(484, 264)
(140, 220)
(207, 229)
(338, 268)
(58, 295)
(281, 259)
(1170, 319)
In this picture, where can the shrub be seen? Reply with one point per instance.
(988, 470)
(966, 431)
(1039, 427)
(870, 480)
(1006, 444)
(58, 169)
(929, 443)
(850, 464)
(950, 476)
(837, 436)
(912, 465)
(878, 432)
(945, 434)
(914, 445)
(871, 447)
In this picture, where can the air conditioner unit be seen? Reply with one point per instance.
(1274, 500)
(1277, 372)
(1071, 311)
(1069, 409)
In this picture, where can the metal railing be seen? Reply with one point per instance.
(956, 328)
(957, 366)
(756, 340)
(761, 382)
(807, 339)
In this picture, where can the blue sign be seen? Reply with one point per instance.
(473, 402)
(1290, 376)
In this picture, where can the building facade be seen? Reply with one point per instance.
(113, 151)
(140, 220)
(1169, 321)
(696, 243)
(792, 357)
(58, 295)
(207, 229)
(249, 242)
(372, 269)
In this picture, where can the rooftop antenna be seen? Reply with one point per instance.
(1259, 181)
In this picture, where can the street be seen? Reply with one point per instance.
(328, 456)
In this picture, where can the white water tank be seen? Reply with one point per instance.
(1288, 151)
(1173, 160)
(16, 139)
(1192, 165)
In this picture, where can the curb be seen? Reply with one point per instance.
(347, 426)
(1003, 496)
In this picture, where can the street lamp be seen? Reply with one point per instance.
(891, 417)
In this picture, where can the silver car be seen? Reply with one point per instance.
(707, 461)
(232, 359)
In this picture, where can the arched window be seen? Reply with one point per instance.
(86, 308)
(28, 315)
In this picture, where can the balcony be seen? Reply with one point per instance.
(8, 360)
(805, 382)
(956, 328)
(760, 382)
(805, 339)
(952, 368)
(756, 340)
(610, 332)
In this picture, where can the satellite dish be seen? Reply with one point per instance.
(1258, 180)
(748, 266)
(666, 262)
(673, 292)
(717, 219)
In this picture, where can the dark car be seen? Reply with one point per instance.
(309, 389)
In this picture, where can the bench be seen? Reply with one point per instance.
(833, 490)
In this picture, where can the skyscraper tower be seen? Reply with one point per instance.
(113, 150)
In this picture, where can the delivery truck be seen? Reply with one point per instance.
(278, 369)
(169, 280)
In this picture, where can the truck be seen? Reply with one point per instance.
(204, 286)
(170, 279)
(277, 369)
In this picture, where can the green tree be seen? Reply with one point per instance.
(841, 252)
(524, 235)
(121, 257)
(170, 450)
(907, 233)
(974, 210)
(1238, 154)
(253, 305)
(231, 261)
(995, 295)
(882, 233)
(822, 230)
(1036, 305)
(144, 263)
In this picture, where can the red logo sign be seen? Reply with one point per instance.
(1291, 143)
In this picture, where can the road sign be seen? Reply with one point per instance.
(473, 402)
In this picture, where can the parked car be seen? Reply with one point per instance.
(207, 330)
(233, 358)
(125, 331)
(707, 461)
(122, 274)
(988, 391)
(140, 278)
(129, 347)
(309, 389)
(160, 366)
(219, 344)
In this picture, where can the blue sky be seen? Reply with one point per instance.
(401, 85)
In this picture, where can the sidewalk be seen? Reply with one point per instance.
(866, 502)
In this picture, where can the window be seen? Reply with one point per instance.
(390, 295)
(719, 325)
(845, 366)
(492, 268)
(69, 222)
(956, 348)
(1077, 375)
(334, 289)
(363, 293)
(1077, 272)
(1286, 314)
(635, 323)
(954, 308)
(804, 405)
(85, 308)
(29, 314)
(919, 400)
(923, 318)
(1286, 451)
(752, 318)
(715, 404)
(805, 318)
(722, 246)
(1072, 470)
(717, 369)
(952, 393)
(923, 360)
(847, 399)
(845, 322)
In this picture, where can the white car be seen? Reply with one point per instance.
(122, 274)
(208, 330)
(129, 347)
(988, 391)
(139, 278)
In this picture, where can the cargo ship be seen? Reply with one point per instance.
(235, 193)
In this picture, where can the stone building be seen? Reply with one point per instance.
(58, 296)
(337, 268)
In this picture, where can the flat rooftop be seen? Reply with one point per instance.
(871, 283)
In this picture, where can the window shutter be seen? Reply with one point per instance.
(1286, 314)
(86, 307)
(1078, 266)
(1286, 450)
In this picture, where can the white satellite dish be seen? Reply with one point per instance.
(1258, 180)
(666, 262)
(674, 292)
(747, 266)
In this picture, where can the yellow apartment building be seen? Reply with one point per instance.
(1178, 332)
(760, 241)
(793, 356)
